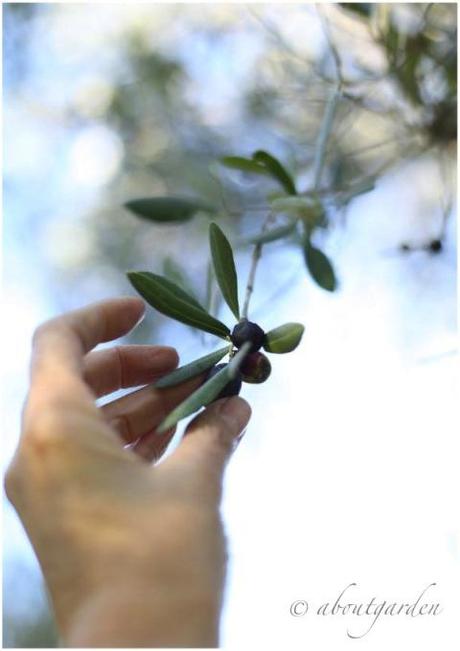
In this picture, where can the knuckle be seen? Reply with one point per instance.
(45, 433)
(12, 481)
(43, 447)
(119, 363)
(48, 326)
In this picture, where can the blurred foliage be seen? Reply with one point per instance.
(398, 68)
(27, 620)
(175, 88)
(35, 632)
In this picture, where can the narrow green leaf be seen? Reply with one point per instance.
(306, 208)
(244, 165)
(175, 273)
(171, 300)
(167, 209)
(320, 267)
(290, 204)
(213, 297)
(209, 286)
(224, 266)
(173, 287)
(206, 393)
(186, 372)
(271, 235)
(273, 196)
(284, 339)
(277, 170)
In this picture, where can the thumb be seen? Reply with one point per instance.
(208, 443)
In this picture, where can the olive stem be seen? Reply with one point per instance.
(324, 133)
(331, 107)
(256, 255)
(231, 351)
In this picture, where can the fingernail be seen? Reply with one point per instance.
(140, 319)
(238, 438)
(238, 412)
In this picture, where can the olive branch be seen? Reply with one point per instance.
(291, 214)
(172, 299)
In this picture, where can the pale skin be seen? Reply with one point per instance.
(132, 551)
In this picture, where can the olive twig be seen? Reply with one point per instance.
(324, 133)
(256, 255)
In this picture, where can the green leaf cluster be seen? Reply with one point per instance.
(167, 295)
(206, 393)
(172, 299)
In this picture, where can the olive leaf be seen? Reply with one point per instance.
(320, 267)
(284, 339)
(290, 204)
(188, 371)
(175, 273)
(167, 209)
(276, 170)
(224, 266)
(209, 286)
(309, 209)
(171, 300)
(271, 235)
(206, 393)
(244, 164)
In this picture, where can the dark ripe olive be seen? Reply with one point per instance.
(232, 388)
(256, 368)
(435, 246)
(247, 331)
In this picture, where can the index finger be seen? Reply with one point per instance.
(59, 345)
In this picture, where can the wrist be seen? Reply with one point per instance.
(140, 616)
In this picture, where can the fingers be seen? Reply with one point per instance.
(206, 447)
(65, 339)
(143, 410)
(120, 367)
(60, 344)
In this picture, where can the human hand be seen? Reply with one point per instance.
(132, 555)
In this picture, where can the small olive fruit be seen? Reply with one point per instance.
(232, 388)
(435, 246)
(256, 368)
(248, 331)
